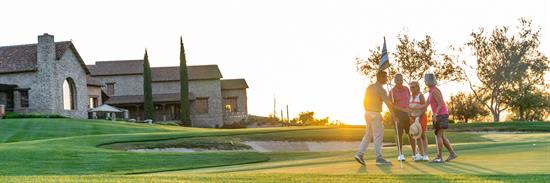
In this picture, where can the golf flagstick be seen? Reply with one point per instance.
(385, 64)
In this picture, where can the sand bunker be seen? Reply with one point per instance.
(180, 150)
(277, 146)
(304, 146)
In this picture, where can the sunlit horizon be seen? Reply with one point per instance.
(301, 52)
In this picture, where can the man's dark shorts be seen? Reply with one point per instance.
(404, 121)
(440, 122)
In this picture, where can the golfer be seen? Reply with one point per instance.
(375, 94)
(399, 95)
(415, 103)
(440, 118)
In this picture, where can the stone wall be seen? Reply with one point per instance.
(212, 90)
(124, 84)
(166, 87)
(44, 86)
(242, 108)
(37, 101)
(69, 67)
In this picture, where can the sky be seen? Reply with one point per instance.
(300, 52)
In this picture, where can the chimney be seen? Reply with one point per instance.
(45, 49)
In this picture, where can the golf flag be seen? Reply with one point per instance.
(384, 60)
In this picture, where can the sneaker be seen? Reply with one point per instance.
(425, 158)
(382, 161)
(438, 160)
(417, 157)
(451, 157)
(359, 159)
(401, 158)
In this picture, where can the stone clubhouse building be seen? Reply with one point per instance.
(51, 77)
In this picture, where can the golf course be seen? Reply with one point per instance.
(69, 150)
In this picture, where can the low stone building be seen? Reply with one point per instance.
(47, 77)
(214, 101)
(51, 77)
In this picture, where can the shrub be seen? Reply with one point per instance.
(169, 123)
(14, 115)
(240, 124)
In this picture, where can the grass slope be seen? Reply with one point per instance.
(70, 147)
(16, 130)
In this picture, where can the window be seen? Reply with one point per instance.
(24, 98)
(110, 89)
(230, 104)
(93, 102)
(69, 94)
(6, 98)
(201, 105)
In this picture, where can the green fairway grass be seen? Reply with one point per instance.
(69, 150)
(276, 178)
(502, 126)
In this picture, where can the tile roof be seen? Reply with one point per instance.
(135, 67)
(195, 72)
(22, 58)
(120, 67)
(91, 81)
(231, 84)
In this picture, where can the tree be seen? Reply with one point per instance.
(416, 58)
(465, 107)
(147, 90)
(320, 122)
(184, 89)
(369, 67)
(387, 120)
(306, 117)
(413, 59)
(506, 64)
(533, 104)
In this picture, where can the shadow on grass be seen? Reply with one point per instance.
(415, 167)
(362, 169)
(444, 167)
(385, 168)
(470, 165)
(463, 168)
(281, 166)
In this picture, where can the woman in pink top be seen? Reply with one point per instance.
(440, 118)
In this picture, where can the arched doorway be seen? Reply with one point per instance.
(69, 94)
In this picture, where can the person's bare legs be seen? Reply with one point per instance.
(439, 137)
(446, 143)
(421, 144)
(400, 142)
(425, 137)
(452, 154)
(412, 141)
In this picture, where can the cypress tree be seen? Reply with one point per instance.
(184, 89)
(147, 90)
